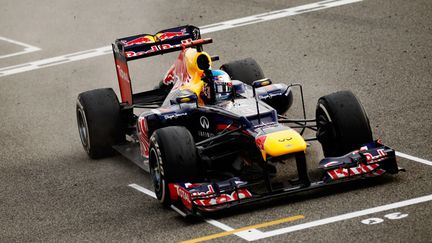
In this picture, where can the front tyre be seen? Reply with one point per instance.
(343, 125)
(99, 122)
(173, 158)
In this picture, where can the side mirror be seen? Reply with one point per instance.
(257, 84)
(261, 83)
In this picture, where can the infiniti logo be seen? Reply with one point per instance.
(204, 122)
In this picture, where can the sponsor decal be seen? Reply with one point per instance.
(170, 35)
(175, 115)
(158, 154)
(371, 158)
(225, 198)
(185, 196)
(209, 191)
(155, 48)
(360, 169)
(140, 40)
(205, 134)
(147, 39)
(124, 81)
(204, 122)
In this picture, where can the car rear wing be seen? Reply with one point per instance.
(146, 45)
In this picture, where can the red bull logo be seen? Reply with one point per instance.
(152, 39)
(153, 48)
(140, 40)
(169, 35)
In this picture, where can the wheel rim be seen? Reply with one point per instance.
(325, 125)
(83, 128)
(155, 171)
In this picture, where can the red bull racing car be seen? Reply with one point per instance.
(211, 138)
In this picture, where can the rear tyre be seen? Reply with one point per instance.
(343, 125)
(173, 158)
(99, 122)
(246, 70)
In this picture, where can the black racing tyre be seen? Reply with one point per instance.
(246, 70)
(343, 125)
(99, 122)
(173, 158)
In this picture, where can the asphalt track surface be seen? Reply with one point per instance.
(50, 191)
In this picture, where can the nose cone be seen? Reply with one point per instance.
(283, 142)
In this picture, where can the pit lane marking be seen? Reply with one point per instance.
(256, 226)
(342, 217)
(27, 48)
(413, 158)
(233, 23)
(392, 216)
(246, 235)
(143, 190)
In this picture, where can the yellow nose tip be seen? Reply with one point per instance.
(284, 142)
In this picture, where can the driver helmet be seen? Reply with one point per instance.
(222, 85)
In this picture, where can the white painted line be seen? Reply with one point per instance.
(143, 190)
(178, 211)
(54, 61)
(413, 158)
(27, 48)
(344, 217)
(277, 14)
(254, 19)
(246, 235)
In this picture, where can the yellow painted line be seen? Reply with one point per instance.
(256, 226)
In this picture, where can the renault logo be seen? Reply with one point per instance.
(204, 122)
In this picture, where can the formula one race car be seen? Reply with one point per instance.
(211, 138)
